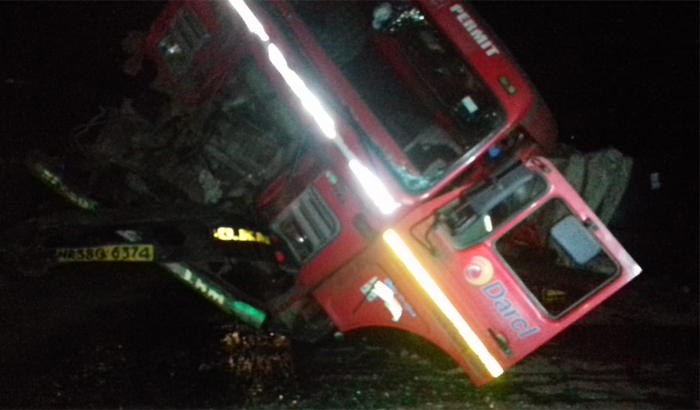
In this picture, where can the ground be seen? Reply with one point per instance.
(120, 336)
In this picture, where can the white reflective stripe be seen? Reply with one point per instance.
(308, 99)
(369, 181)
(249, 19)
(436, 294)
(349, 155)
(374, 187)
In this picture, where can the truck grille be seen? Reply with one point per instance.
(307, 225)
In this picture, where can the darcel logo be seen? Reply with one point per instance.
(240, 235)
(479, 272)
(497, 293)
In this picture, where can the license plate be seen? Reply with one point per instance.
(107, 253)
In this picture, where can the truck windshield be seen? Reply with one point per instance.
(420, 88)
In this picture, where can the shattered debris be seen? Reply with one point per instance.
(262, 362)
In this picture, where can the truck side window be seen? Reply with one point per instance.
(471, 218)
(537, 252)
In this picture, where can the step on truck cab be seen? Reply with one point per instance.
(394, 149)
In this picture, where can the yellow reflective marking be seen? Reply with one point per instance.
(54, 181)
(554, 295)
(436, 294)
(240, 235)
(246, 236)
(107, 253)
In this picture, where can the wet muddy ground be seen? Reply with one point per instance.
(121, 337)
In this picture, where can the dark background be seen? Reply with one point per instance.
(59, 62)
(621, 74)
(624, 74)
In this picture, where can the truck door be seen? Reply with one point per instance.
(526, 257)
(490, 272)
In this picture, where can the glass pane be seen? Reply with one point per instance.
(556, 258)
(473, 217)
(421, 89)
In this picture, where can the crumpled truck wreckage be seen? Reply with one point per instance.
(313, 167)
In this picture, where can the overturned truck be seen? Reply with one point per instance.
(321, 166)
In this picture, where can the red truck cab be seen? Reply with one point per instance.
(398, 168)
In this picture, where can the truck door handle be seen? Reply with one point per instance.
(501, 341)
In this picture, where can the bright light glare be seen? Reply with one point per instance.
(374, 188)
(370, 182)
(487, 223)
(249, 19)
(308, 100)
(426, 281)
(386, 294)
(636, 270)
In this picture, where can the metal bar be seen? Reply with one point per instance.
(182, 271)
